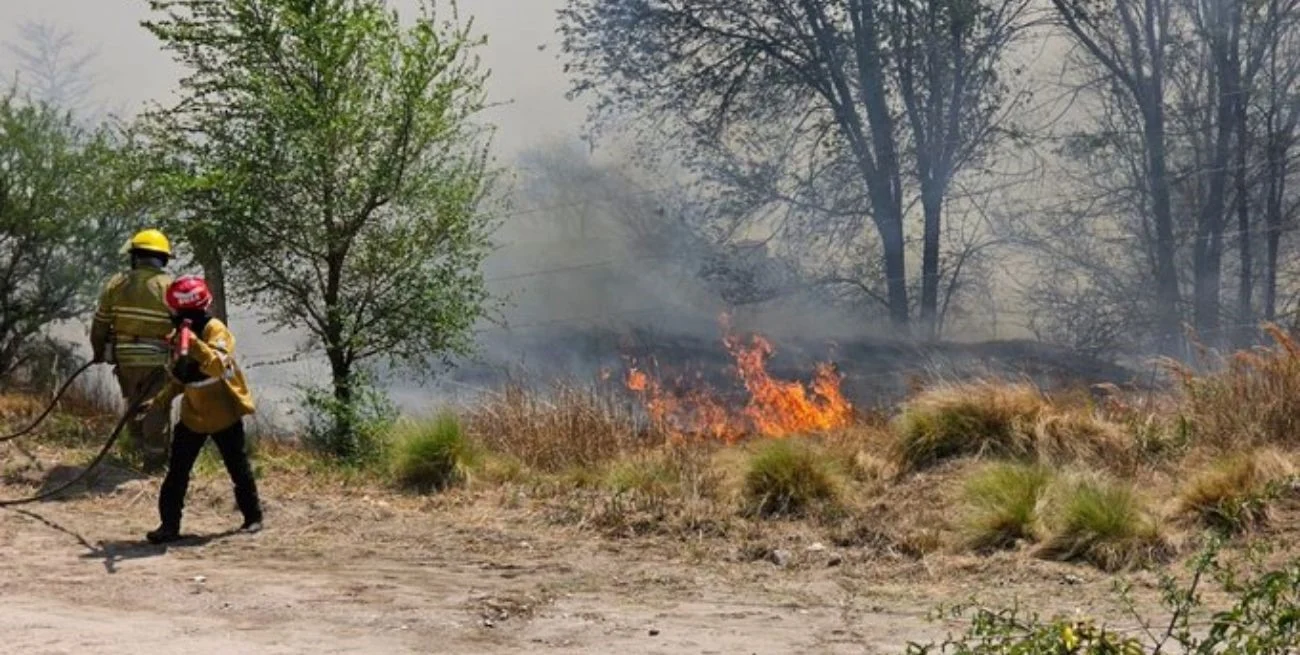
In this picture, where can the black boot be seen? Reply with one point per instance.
(252, 524)
(164, 534)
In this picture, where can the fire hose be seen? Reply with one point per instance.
(57, 397)
(131, 409)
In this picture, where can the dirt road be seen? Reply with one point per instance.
(361, 575)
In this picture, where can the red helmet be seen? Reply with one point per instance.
(188, 292)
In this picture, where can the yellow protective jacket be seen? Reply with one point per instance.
(214, 392)
(132, 319)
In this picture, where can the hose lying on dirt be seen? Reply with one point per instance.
(57, 397)
(103, 452)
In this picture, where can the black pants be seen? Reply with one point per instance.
(186, 446)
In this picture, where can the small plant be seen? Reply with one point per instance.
(431, 455)
(1234, 495)
(1101, 522)
(787, 477)
(1003, 503)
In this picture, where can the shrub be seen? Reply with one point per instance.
(1099, 521)
(787, 477)
(966, 419)
(431, 455)
(1002, 502)
(352, 432)
(1234, 495)
(1260, 621)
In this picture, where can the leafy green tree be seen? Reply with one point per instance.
(68, 197)
(346, 172)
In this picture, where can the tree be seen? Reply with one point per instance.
(52, 69)
(344, 150)
(829, 108)
(66, 204)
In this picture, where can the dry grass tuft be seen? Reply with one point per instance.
(1254, 400)
(1091, 518)
(966, 419)
(1002, 504)
(1077, 435)
(1006, 420)
(569, 428)
(1235, 495)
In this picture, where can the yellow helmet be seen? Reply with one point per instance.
(151, 240)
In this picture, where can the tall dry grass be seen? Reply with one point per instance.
(569, 427)
(1253, 400)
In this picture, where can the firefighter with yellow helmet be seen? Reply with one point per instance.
(130, 331)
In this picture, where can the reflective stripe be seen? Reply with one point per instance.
(203, 383)
(142, 347)
(142, 311)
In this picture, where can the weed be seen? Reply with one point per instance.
(1002, 502)
(787, 477)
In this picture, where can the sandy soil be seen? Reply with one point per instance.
(356, 574)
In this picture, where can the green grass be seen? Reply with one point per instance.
(788, 477)
(1002, 501)
(1102, 522)
(431, 455)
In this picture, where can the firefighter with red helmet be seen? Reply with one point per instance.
(214, 401)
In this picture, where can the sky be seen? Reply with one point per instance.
(131, 69)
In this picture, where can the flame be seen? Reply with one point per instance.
(773, 407)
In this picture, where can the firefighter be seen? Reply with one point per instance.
(214, 401)
(130, 331)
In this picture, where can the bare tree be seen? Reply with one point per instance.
(52, 67)
(788, 94)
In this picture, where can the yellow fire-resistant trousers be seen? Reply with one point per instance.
(150, 434)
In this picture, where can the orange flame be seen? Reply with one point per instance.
(774, 407)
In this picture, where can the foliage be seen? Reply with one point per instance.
(342, 151)
(1260, 621)
(1003, 501)
(354, 430)
(958, 420)
(66, 204)
(788, 477)
(431, 455)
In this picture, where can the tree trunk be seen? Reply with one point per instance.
(214, 273)
(932, 202)
(1273, 224)
(1246, 281)
(891, 237)
(1167, 294)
